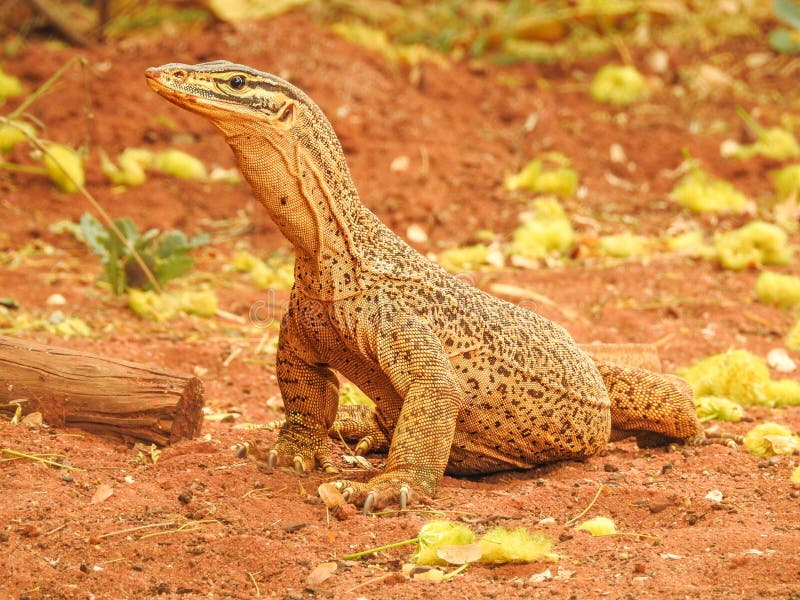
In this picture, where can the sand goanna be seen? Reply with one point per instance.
(463, 382)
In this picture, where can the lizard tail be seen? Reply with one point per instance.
(657, 408)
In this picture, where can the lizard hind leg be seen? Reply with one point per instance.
(655, 408)
(357, 422)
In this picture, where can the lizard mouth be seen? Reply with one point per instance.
(156, 79)
(174, 85)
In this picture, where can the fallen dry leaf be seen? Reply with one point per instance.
(320, 573)
(102, 493)
(460, 554)
(331, 496)
(32, 420)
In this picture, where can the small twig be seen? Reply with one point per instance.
(251, 575)
(189, 526)
(32, 170)
(664, 340)
(423, 511)
(455, 572)
(95, 204)
(368, 582)
(38, 459)
(133, 529)
(224, 314)
(634, 534)
(56, 529)
(232, 356)
(45, 86)
(20, 458)
(255, 491)
(380, 549)
(622, 49)
(585, 510)
(749, 121)
(350, 451)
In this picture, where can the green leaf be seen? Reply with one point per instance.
(788, 12)
(114, 272)
(95, 234)
(172, 267)
(129, 231)
(199, 240)
(172, 242)
(784, 41)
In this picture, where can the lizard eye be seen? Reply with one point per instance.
(237, 82)
(287, 114)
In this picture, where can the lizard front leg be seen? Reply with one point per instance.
(310, 396)
(418, 368)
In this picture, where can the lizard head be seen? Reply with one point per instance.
(289, 154)
(233, 97)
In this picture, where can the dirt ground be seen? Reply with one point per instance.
(228, 530)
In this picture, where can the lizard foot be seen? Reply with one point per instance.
(300, 456)
(380, 492)
(706, 439)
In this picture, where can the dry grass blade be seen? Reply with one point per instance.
(252, 577)
(188, 526)
(37, 143)
(135, 529)
(588, 508)
(37, 458)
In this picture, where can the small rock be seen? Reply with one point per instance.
(658, 507)
(609, 468)
(416, 234)
(778, 359)
(55, 300)
(400, 164)
(658, 61)
(617, 154)
(293, 527)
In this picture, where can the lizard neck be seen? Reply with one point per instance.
(306, 187)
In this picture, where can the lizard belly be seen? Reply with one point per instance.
(515, 416)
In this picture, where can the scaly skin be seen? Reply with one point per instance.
(463, 381)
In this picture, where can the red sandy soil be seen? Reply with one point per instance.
(248, 532)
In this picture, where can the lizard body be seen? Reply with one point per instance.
(463, 382)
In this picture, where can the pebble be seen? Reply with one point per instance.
(416, 234)
(293, 527)
(56, 300)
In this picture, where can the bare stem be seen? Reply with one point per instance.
(380, 549)
(106, 218)
(46, 86)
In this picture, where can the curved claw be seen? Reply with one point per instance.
(272, 459)
(362, 447)
(369, 502)
(342, 487)
(403, 497)
(298, 465)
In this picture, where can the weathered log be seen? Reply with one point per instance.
(99, 394)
